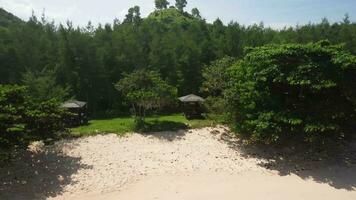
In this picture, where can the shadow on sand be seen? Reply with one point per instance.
(43, 174)
(335, 168)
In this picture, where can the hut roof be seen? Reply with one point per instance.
(191, 98)
(73, 104)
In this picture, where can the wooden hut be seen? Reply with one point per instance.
(79, 111)
(192, 107)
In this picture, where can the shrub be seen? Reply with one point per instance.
(305, 92)
(23, 120)
(44, 120)
(12, 127)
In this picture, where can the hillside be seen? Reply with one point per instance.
(6, 18)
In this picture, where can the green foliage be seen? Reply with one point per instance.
(44, 120)
(175, 44)
(215, 105)
(42, 86)
(216, 77)
(196, 13)
(146, 90)
(161, 4)
(181, 4)
(12, 109)
(215, 82)
(23, 120)
(8, 19)
(305, 92)
(133, 16)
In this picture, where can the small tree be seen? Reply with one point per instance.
(161, 4)
(145, 90)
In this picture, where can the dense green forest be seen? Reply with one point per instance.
(269, 85)
(85, 63)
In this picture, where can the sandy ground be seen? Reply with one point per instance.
(198, 164)
(249, 185)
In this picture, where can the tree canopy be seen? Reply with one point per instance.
(306, 92)
(133, 16)
(181, 4)
(23, 120)
(161, 4)
(196, 13)
(146, 90)
(178, 45)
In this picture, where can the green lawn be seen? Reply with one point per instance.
(154, 124)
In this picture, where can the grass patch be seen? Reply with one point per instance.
(124, 125)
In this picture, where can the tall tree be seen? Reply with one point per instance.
(161, 4)
(133, 16)
(181, 4)
(196, 13)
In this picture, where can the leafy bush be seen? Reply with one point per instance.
(22, 120)
(306, 92)
(44, 120)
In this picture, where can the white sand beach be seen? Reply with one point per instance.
(196, 164)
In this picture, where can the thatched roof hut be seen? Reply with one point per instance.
(79, 111)
(191, 98)
(192, 107)
(73, 104)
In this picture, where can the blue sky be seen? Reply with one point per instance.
(274, 13)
